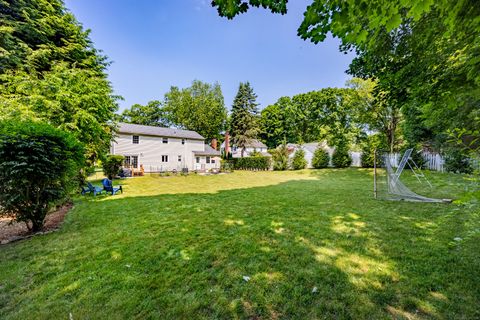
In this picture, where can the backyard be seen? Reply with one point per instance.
(259, 245)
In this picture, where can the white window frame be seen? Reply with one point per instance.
(133, 139)
(165, 140)
(208, 159)
(164, 158)
(179, 158)
(184, 141)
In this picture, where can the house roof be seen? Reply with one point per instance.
(254, 143)
(158, 131)
(209, 151)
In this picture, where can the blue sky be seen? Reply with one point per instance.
(155, 44)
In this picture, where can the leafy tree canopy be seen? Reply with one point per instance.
(50, 70)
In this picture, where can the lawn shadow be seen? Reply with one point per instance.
(318, 248)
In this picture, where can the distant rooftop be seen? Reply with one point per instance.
(158, 131)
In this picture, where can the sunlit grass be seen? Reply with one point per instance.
(311, 244)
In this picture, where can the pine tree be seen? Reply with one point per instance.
(244, 124)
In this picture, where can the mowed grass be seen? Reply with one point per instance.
(314, 244)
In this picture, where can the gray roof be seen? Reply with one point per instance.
(255, 144)
(158, 131)
(209, 151)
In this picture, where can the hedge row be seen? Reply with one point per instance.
(252, 163)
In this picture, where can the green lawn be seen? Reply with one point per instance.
(314, 244)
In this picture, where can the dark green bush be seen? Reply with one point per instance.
(372, 143)
(252, 163)
(39, 165)
(298, 160)
(226, 165)
(320, 159)
(457, 161)
(280, 157)
(341, 158)
(112, 165)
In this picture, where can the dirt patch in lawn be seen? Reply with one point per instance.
(12, 231)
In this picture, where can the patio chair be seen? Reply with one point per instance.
(108, 186)
(93, 189)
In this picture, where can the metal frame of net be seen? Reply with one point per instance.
(390, 186)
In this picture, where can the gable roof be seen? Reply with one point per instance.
(254, 143)
(158, 131)
(209, 151)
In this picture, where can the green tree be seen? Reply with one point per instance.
(112, 165)
(277, 123)
(280, 157)
(320, 159)
(340, 157)
(38, 167)
(151, 114)
(50, 71)
(244, 121)
(298, 161)
(199, 107)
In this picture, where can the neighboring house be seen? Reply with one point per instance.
(310, 148)
(163, 149)
(252, 146)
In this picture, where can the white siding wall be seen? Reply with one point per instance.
(203, 165)
(150, 150)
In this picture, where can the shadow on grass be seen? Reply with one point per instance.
(311, 248)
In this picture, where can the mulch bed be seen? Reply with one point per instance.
(12, 231)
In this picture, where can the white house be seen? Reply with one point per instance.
(252, 146)
(163, 149)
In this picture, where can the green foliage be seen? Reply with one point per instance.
(38, 167)
(50, 71)
(341, 158)
(457, 161)
(199, 107)
(244, 122)
(372, 142)
(330, 113)
(321, 158)
(150, 115)
(280, 157)
(112, 165)
(298, 161)
(252, 163)
(226, 165)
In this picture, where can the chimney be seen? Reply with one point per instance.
(213, 143)
(227, 144)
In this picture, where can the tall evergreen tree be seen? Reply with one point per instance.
(244, 122)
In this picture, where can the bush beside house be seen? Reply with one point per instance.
(252, 163)
(39, 165)
(112, 165)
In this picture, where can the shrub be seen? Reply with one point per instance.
(341, 158)
(457, 161)
(320, 159)
(112, 165)
(298, 161)
(39, 165)
(252, 163)
(280, 158)
(226, 165)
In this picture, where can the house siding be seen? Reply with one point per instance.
(151, 148)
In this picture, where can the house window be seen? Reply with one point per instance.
(198, 159)
(213, 160)
(135, 139)
(208, 159)
(130, 161)
(164, 158)
(164, 140)
(179, 158)
(183, 141)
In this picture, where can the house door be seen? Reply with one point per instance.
(131, 162)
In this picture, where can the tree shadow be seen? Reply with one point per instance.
(319, 248)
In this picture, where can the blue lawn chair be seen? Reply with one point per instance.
(93, 189)
(108, 186)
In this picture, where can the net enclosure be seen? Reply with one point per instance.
(390, 184)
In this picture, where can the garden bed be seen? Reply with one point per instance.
(12, 231)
